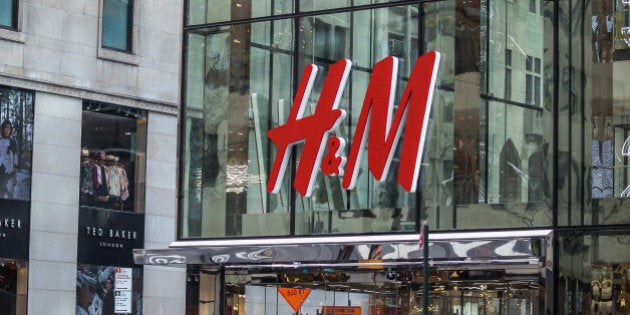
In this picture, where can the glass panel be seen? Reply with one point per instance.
(117, 23)
(108, 290)
(371, 206)
(13, 286)
(7, 13)
(314, 5)
(594, 273)
(230, 104)
(211, 11)
(16, 143)
(483, 73)
(113, 142)
(486, 137)
(595, 106)
(399, 291)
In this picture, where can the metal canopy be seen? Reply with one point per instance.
(523, 247)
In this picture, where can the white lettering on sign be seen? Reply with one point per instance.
(11, 223)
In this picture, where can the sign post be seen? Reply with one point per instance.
(424, 244)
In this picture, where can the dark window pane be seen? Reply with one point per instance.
(528, 63)
(532, 6)
(528, 88)
(339, 42)
(508, 57)
(6, 13)
(322, 31)
(508, 84)
(117, 24)
(537, 90)
(537, 65)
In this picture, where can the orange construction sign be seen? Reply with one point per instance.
(294, 296)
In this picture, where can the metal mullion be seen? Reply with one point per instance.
(296, 63)
(555, 294)
(15, 14)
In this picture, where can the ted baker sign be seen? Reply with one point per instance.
(383, 131)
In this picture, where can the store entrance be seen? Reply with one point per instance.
(385, 291)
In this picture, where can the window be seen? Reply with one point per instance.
(532, 80)
(117, 25)
(112, 157)
(8, 13)
(330, 40)
(532, 6)
(508, 74)
(16, 143)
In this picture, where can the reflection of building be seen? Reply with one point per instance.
(525, 174)
(92, 90)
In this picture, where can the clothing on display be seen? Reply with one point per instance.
(104, 179)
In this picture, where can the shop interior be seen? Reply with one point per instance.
(381, 291)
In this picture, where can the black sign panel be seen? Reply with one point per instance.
(108, 237)
(15, 222)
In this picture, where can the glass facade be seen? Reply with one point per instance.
(488, 154)
(529, 130)
(593, 107)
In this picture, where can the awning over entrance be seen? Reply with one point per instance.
(529, 247)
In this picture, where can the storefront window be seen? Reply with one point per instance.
(13, 282)
(16, 143)
(489, 140)
(113, 161)
(344, 291)
(105, 290)
(594, 273)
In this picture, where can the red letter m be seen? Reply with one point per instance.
(414, 107)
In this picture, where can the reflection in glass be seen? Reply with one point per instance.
(231, 103)
(16, 143)
(211, 11)
(488, 144)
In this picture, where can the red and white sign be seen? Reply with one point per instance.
(383, 131)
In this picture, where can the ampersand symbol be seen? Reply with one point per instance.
(333, 162)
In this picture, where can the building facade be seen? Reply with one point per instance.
(522, 183)
(89, 94)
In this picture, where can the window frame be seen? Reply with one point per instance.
(14, 32)
(128, 56)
